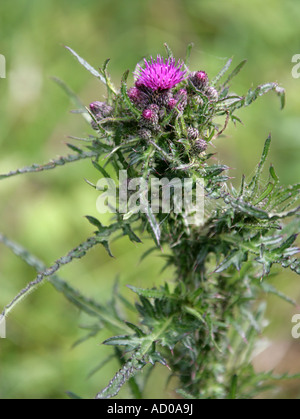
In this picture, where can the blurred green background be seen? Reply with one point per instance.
(44, 212)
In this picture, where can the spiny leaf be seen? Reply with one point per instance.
(235, 71)
(149, 293)
(77, 253)
(269, 288)
(87, 66)
(254, 182)
(61, 161)
(74, 98)
(222, 72)
(233, 387)
(130, 368)
(169, 51)
(125, 97)
(136, 329)
(188, 53)
(235, 258)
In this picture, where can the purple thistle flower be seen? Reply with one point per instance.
(160, 74)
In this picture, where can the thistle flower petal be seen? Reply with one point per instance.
(160, 74)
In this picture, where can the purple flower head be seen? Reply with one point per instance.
(160, 74)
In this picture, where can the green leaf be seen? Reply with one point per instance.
(273, 174)
(94, 221)
(270, 289)
(221, 73)
(101, 169)
(233, 387)
(87, 66)
(136, 329)
(74, 98)
(73, 396)
(129, 369)
(127, 230)
(188, 53)
(254, 182)
(235, 258)
(168, 49)
(149, 293)
(125, 97)
(61, 161)
(235, 72)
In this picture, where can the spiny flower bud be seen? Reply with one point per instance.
(181, 97)
(100, 109)
(180, 100)
(138, 97)
(198, 100)
(172, 103)
(212, 93)
(192, 133)
(150, 116)
(200, 145)
(144, 134)
(199, 79)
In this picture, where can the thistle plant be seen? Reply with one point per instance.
(203, 324)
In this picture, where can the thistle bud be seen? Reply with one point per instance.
(192, 133)
(179, 100)
(144, 134)
(100, 109)
(200, 145)
(172, 103)
(137, 96)
(212, 93)
(181, 97)
(150, 117)
(199, 79)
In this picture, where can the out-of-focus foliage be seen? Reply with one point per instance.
(36, 359)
